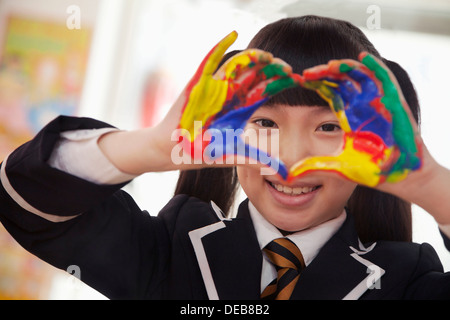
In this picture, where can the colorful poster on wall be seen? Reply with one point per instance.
(42, 70)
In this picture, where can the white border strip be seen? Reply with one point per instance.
(364, 285)
(196, 239)
(22, 202)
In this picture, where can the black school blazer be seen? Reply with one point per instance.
(188, 251)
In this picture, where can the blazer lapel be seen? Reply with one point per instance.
(229, 257)
(372, 281)
(340, 270)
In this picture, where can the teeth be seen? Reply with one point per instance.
(292, 191)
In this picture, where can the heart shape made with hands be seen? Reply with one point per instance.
(380, 137)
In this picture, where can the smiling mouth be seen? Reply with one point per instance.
(293, 191)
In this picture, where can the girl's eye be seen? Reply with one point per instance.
(329, 127)
(266, 123)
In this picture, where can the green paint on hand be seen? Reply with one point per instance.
(344, 68)
(402, 129)
(272, 70)
(279, 85)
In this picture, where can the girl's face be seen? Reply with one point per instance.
(308, 200)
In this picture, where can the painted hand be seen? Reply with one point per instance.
(381, 141)
(217, 101)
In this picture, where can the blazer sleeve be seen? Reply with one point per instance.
(445, 239)
(428, 281)
(120, 250)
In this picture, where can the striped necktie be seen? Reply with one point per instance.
(288, 261)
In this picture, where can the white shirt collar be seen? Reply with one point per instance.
(309, 241)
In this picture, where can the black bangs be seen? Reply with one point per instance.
(297, 97)
(308, 41)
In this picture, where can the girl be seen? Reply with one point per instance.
(61, 200)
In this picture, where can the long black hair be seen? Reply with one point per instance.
(304, 42)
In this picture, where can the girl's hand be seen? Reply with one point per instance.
(382, 145)
(381, 140)
(215, 101)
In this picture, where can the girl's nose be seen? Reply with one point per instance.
(293, 148)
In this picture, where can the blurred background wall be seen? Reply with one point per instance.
(125, 61)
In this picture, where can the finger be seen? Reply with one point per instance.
(226, 149)
(350, 164)
(270, 87)
(348, 74)
(382, 72)
(391, 88)
(275, 86)
(404, 127)
(325, 80)
(213, 58)
(346, 71)
(362, 77)
(277, 67)
(251, 59)
(258, 79)
(316, 73)
(245, 154)
(334, 69)
(329, 91)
